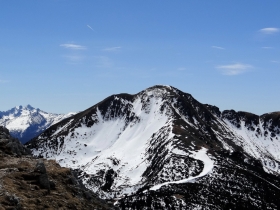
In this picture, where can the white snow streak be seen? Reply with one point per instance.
(208, 166)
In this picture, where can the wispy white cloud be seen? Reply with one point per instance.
(269, 30)
(217, 47)
(90, 27)
(234, 69)
(275, 61)
(267, 48)
(112, 49)
(73, 46)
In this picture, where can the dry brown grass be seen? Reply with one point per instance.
(18, 181)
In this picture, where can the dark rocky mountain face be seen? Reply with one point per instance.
(30, 183)
(25, 123)
(162, 149)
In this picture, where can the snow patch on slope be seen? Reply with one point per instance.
(258, 143)
(113, 144)
(208, 166)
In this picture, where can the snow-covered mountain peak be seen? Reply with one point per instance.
(18, 107)
(157, 137)
(18, 111)
(27, 107)
(160, 91)
(26, 122)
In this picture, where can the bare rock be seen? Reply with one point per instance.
(40, 167)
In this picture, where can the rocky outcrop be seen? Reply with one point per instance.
(10, 145)
(43, 179)
(30, 183)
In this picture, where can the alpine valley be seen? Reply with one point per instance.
(27, 122)
(162, 149)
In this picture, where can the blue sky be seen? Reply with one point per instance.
(65, 55)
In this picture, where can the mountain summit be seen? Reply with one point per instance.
(162, 148)
(26, 122)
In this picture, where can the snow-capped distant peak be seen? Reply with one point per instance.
(26, 122)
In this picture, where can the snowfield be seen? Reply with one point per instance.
(128, 144)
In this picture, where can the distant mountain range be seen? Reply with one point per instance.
(27, 122)
(162, 149)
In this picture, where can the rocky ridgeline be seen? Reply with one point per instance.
(30, 183)
(163, 149)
